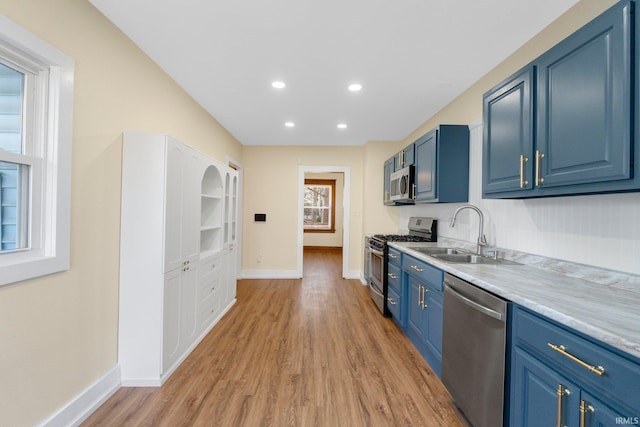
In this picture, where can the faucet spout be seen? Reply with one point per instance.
(482, 240)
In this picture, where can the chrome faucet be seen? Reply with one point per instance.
(482, 240)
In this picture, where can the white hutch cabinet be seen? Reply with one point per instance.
(173, 246)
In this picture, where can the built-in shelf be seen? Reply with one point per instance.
(211, 212)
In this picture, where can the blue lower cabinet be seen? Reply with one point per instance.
(424, 320)
(534, 394)
(561, 377)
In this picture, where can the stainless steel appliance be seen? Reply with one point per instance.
(473, 351)
(402, 188)
(366, 270)
(420, 230)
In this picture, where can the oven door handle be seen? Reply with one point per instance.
(375, 290)
(376, 252)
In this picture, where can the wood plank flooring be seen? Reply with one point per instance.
(310, 352)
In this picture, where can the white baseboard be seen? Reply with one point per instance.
(83, 405)
(353, 274)
(270, 274)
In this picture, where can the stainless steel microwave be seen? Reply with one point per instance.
(402, 185)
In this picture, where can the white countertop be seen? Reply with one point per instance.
(608, 313)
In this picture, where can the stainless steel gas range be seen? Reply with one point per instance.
(420, 230)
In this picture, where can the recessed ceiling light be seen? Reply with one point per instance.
(355, 87)
(278, 85)
(290, 124)
(342, 126)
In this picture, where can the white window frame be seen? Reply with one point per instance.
(48, 155)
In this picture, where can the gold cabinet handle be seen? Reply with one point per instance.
(392, 276)
(584, 408)
(422, 292)
(391, 301)
(393, 256)
(598, 370)
(539, 157)
(416, 268)
(523, 182)
(562, 391)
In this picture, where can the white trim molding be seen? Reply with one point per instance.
(346, 204)
(82, 406)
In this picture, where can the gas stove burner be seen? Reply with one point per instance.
(400, 238)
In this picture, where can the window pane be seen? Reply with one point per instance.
(317, 195)
(11, 86)
(14, 184)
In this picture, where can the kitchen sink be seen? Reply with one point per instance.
(467, 258)
(439, 251)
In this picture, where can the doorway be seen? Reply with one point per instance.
(343, 218)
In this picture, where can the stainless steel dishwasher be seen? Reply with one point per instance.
(473, 351)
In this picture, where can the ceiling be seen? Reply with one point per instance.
(412, 57)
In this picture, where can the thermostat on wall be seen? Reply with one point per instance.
(260, 217)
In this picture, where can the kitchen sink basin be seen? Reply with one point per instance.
(467, 258)
(440, 251)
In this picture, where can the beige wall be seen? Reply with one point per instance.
(467, 108)
(59, 333)
(271, 187)
(329, 239)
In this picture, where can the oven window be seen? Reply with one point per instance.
(376, 269)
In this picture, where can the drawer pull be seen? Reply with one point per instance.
(393, 256)
(562, 391)
(584, 408)
(416, 268)
(598, 370)
(392, 276)
(391, 301)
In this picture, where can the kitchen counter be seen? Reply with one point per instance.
(605, 312)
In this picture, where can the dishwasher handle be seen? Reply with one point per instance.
(476, 306)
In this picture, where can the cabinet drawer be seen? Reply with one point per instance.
(394, 304)
(424, 271)
(395, 257)
(208, 309)
(210, 267)
(620, 377)
(209, 286)
(394, 275)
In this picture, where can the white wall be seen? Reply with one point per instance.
(599, 230)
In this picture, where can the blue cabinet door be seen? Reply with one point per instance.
(426, 162)
(408, 155)
(416, 320)
(584, 104)
(389, 167)
(508, 134)
(597, 414)
(433, 333)
(534, 394)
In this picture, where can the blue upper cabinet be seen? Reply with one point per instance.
(404, 157)
(508, 134)
(442, 165)
(389, 167)
(563, 125)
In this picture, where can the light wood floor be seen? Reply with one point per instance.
(310, 352)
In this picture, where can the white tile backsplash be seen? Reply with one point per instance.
(599, 230)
